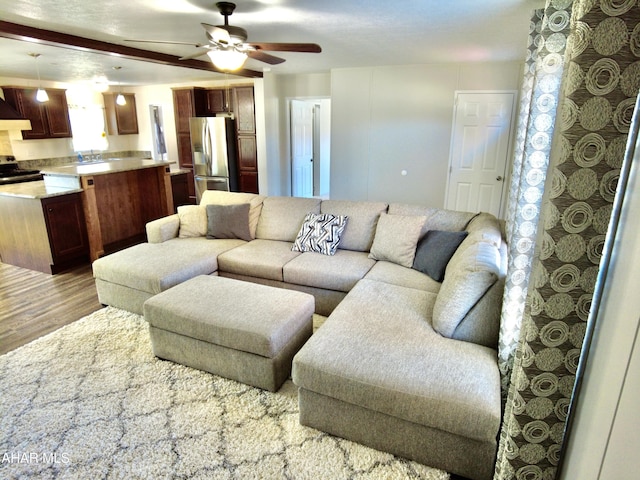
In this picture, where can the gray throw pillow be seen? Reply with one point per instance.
(435, 250)
(228, 221)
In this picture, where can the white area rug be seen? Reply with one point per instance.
(90, 401)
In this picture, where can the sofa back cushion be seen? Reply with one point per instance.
(437, 218)
(361, 227)
(472, 270)
(219, 197)
(282, 217)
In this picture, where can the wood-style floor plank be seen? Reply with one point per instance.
(33, 304)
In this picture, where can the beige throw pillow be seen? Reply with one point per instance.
(193, 221)
(396, 238)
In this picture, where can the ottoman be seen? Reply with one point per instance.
(238, 330)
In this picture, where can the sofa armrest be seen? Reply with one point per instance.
(163, 229)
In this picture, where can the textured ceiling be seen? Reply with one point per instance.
(352, 33)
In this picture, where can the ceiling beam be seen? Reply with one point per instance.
(64, 40)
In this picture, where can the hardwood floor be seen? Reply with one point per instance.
(33, 304)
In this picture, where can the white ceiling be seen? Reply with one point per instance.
(353, 33)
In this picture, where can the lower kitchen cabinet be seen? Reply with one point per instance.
(181, 186)
(46, 234)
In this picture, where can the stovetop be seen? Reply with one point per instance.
(10, 172)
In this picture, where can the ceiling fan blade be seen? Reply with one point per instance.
(217, 34)
(288, 47)
(197, 54)
(197, 45)
(264, 57)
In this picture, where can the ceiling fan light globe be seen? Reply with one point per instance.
(227, 60)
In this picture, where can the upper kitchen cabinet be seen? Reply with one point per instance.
(217, 101)
(48, 119)
(244, 109)
(121, 119)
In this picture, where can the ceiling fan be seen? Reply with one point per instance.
(228, 47)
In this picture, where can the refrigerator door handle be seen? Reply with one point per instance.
(206, 144)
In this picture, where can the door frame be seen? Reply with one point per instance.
(321, 144)
(510, 146)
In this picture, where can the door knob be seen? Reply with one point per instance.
(499, 178)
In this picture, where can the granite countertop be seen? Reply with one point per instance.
(36, 190)
(103, 167)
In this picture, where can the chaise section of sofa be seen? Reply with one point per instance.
(378, 373)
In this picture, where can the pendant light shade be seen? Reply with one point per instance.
(41, 94)
(120, 98)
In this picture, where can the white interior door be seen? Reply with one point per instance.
(479, 151)
(302, 148)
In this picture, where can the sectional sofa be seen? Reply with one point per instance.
(406, 361)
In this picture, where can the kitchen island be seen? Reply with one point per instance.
(42, 228)
(82, 211)
(119, 197)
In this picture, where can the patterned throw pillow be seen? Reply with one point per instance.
(320, 233)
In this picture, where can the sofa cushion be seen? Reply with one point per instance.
(155, 267)
(338, 272)
(220, 197)
(228, 221)
(193, 221)
(437, 218)
(472, 270)
(258, 258)
(320, 233)
(395, 274)
(396, 238)
(435, 250)
(378, 350)
(282, 217)
(361, 227)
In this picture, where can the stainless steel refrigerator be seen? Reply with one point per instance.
(213, 145)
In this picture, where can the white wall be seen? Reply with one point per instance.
(604, 441)
(389, 119)
(279, 89)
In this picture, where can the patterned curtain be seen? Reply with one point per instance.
(544, 65)
(599, 91)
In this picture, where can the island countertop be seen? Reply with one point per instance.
(36, 190)
(103, 167)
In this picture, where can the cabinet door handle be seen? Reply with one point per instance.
(499, 178)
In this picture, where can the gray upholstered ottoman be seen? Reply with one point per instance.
(235, 329)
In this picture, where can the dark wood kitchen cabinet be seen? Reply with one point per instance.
(48, 119)
(45, 234)
(244, 110)
(64, 217)
(121, 119)
(187, 103)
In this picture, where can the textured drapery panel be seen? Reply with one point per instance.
(538, 105)
(600, 86)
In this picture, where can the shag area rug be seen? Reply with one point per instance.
(91, 401)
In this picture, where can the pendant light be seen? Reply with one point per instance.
(120, 99)
(41, 93)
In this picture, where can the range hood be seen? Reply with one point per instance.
(10, 120)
